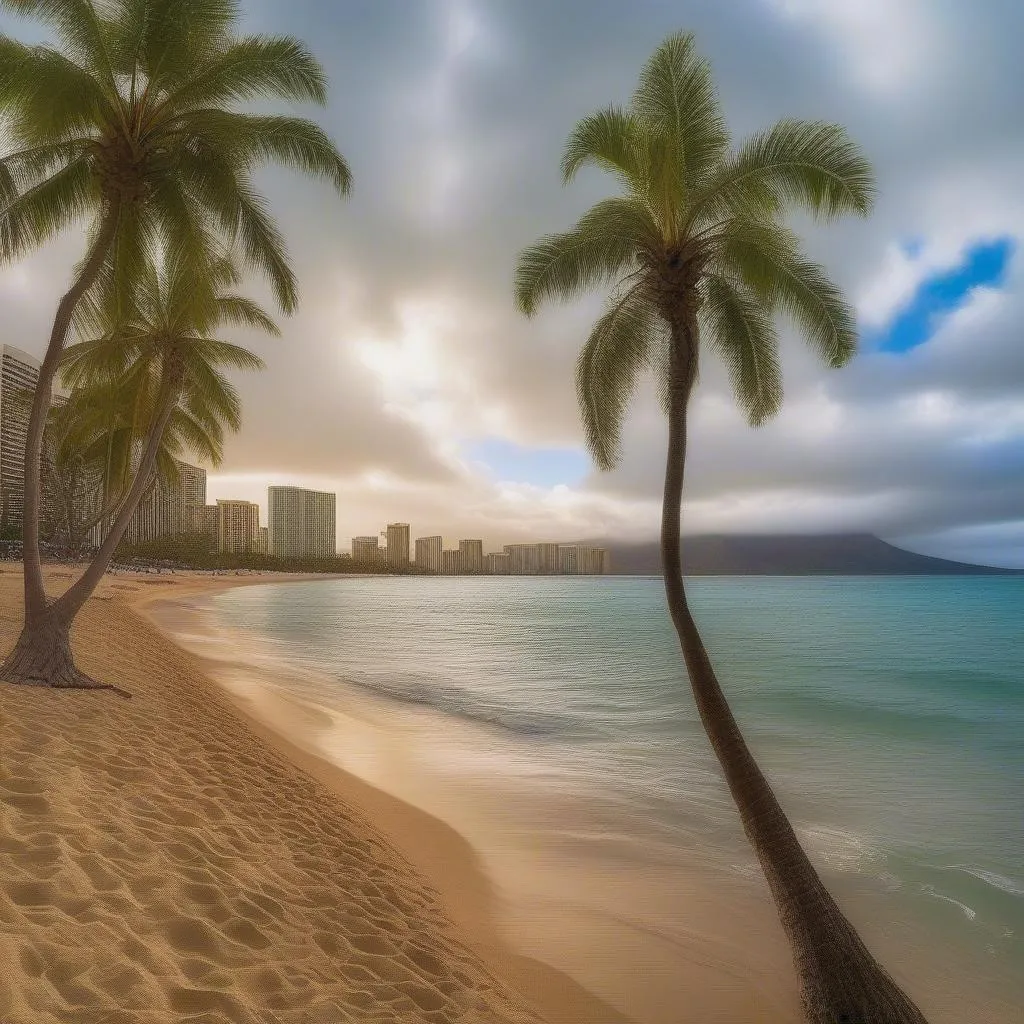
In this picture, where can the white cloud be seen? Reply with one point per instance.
(886, 42)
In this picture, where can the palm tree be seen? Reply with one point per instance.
(162, 346)
(696, 251)
(131, 124)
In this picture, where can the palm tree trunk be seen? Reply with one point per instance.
(841, 983)
(35, 595)
(42, 656)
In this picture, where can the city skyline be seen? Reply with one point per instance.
(407, 381)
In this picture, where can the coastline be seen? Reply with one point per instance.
(589, 932)
(649, 929)
(224, 870)
(532, 913)
(436, 851)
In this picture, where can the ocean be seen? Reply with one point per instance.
(888, 712)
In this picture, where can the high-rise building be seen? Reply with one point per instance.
(206, 521)
(568, 560)
(522, 559)
(238, 526)
(366, 550)
(497, 563)
(19, 374)
(548, 559)
(301, 523)
(262, 541)
(398, 544)
(169, 507)
(471, 555)
(428, 553)
(451, 561)
(590, 560)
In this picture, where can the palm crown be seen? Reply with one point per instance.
(162, 349)
(135, 118)
(695, 242)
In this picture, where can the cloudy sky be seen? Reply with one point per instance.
(408, 384)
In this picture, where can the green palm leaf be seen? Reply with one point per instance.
(603, 246)
(608, 368)
(741, 331)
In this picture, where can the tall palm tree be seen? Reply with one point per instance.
(161, 339)
(131, 125)
(696, 251)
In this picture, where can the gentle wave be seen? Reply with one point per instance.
(887, 712)
(462, 703)
(1007, 885)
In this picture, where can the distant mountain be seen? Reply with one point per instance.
(846, 554)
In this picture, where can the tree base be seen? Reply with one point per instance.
(42, 657)
(842, 983)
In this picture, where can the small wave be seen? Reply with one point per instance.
(968, 912)
(454, 700)
(841, 849)
(991, 878)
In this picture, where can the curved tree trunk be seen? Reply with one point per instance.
(42, 656)
(35, 595)
(841, 983)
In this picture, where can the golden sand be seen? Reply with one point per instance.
(160, 862)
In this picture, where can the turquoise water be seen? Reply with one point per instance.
(888, 712)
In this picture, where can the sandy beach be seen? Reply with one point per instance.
(170, 858)
(241, 855)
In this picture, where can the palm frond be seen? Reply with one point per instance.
(676, 96)
(79, 27)
(244, 312)
(607, 371)
(742, 333)
(608, 139)
(173, 38)
(810, 164)
(768, 260)
(35, 216)
(249, 140)
(255, 67)
(604, 245)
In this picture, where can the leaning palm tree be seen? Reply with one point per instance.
(696, 253)
(162, 339)
(131, 125)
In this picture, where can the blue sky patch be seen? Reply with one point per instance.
(541, 467)
(984, 265)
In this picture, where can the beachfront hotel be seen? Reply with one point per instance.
(301, 523)
(19, 374)
(366, 549)
(428, 553)
(471, 555)
(169, 507)
(239, 522)
(397, 553)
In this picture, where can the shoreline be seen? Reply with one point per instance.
(586, 960)
(589, 932)
(433, 847)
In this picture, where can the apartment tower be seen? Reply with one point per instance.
(169, 507)
(366, 550)
(471, 555)
(19, 374)
(301, 523)
(428, 553)
(398, 544)
(238, 527)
